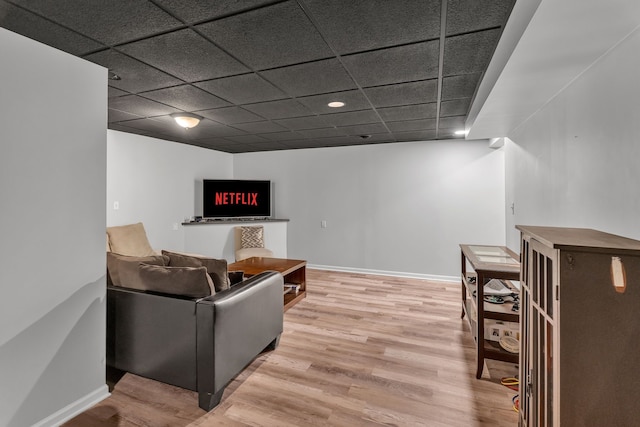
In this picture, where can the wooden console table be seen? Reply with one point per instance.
(488, 262)
(293, 270)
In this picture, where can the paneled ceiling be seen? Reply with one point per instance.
(261, 72)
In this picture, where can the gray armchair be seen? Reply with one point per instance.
(197, 344)
(183, 322)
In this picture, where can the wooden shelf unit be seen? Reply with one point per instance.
(580, 330)
(487, 262)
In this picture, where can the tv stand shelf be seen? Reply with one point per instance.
(487, 262)
(232, 221)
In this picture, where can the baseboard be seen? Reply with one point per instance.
(75, 408)
(434, 277)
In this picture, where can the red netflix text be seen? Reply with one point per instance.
(225, 198)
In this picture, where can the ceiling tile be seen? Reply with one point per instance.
(408, 112)
(375, 138)
(282, 109)
(193, 11)
(243, 89)
(186, 98)
(412, 125)
(321, 133)
(122, 128)
(206, 129)
(282, 136)
(311, 78)
(116, 92)
(37, 28)
(272, 146)
(405, 93)
(469, 53)
(260, 127)
(185, 55)
(462, 86)
(449, 134)
(269, 37)
(353, 100)
(215, 142)
(465, 16)
(231, 115)
(233, 149)
(425, 135)
(155, 126)
(312, 122)
(118, 116)
(110, 22)
(352, 118)
(362, 139)
(356, 25)
(456, 107)
(219, 144)
(135, 76)
(454, 122)
(246, 138)
(395, 65)
(212, 129)
(367, 129)
(140, 106)
(301, 143)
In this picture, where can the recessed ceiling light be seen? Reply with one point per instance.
(336, 104)
(461, 132)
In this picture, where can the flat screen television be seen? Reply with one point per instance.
(232, 198)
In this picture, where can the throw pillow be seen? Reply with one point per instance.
(191, 282)
(130, 240)
(217, 268)
(252, 237)
(123, 270)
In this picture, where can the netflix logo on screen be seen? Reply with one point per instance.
(232, 198)
(237, 199)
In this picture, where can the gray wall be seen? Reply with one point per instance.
(392, 208)
(575, 162)
(52, 191)
(158, 183)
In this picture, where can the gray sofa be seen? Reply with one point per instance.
(197, 344)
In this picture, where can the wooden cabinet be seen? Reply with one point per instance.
(580, 328)
(487, 262)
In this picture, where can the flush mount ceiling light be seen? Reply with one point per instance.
(336, 104)
(186, 120)
(461, 132)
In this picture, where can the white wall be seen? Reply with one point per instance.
(396, 208)
(575, 162)
(52, 189)
(158, 183)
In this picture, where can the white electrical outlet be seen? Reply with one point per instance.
(116, 206)
(323, 224)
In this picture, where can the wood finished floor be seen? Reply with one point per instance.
(360, 350)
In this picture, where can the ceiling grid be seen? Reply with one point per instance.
(261, 72)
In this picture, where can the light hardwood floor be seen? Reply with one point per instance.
(360, 350)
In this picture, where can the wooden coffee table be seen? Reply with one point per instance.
(293, 270)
